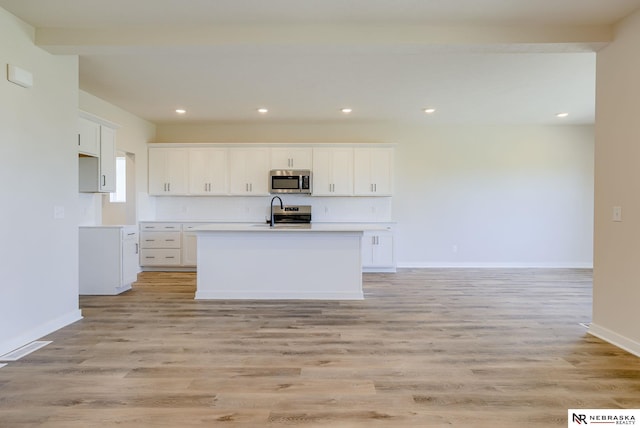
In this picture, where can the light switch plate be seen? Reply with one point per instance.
(617, 214)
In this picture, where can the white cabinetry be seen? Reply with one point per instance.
(168, 171)
(160, 244)
(108, 262)
(373, 171)
(97, 157)
(291, 158)
(189, 245)
(377, 251)
(249, 171)
(208, 171)
(333, 171)
(107, 159)
(88, 137)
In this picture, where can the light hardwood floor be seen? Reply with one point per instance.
(426, 348)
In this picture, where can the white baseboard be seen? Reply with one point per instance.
(615, 339)
(231, 295)
(465, 265)
(40, 331)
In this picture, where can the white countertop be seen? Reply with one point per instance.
(110, 226)
(264, 227)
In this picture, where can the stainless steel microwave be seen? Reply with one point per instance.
(290, 181)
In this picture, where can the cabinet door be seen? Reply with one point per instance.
(157, 171)
(342, 171)
(130, 250)
(107, 159)
(373, 171)
(291, 158)
(333, 171)
(377, 250)
(208, 171)
(249, 171)
(322, 180)
(168, 171)
(189, 249)
(88, 137)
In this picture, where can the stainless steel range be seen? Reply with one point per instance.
(292, 215)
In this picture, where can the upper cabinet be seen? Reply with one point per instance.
(243, 169)
(107, 159)
(291, 158)
(249, 171)
(208, 171)
(333, 171)
(373, 171)
(97, 155)
(88, 137)
(168, 171)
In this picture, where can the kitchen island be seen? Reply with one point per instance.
(255, 261)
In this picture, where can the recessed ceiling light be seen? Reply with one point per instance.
(346, 110)
(562, 114)
(180, 111)
(429, 110)
(263, 110)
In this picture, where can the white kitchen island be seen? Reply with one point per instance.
(254, 261)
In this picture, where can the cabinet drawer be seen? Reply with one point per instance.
(160, 239)
(160, 257)
(160, 227)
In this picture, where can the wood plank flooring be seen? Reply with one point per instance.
(426, 348)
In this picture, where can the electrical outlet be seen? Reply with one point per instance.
(454, 248)
(58, 212)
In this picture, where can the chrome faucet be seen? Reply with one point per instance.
(271, 222)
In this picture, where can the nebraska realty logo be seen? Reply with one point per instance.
(600, 417)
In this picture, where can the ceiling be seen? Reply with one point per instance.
(474, 61)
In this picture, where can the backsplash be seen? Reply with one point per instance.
(256, 208)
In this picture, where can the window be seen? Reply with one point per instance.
(120, 195)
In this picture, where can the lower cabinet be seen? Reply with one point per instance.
(174, 246)
(189, 245)
(377, 251)
(108, 260)
(167, 245)
(160, 244)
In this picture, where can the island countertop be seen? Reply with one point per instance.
(265, 227)
(256, 261)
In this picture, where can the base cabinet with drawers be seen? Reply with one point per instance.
(173, 246)
(160, 244)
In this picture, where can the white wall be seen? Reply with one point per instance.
(131, 137)
(616, 288)
(502, 195)
(39, 172)
(495, 196)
